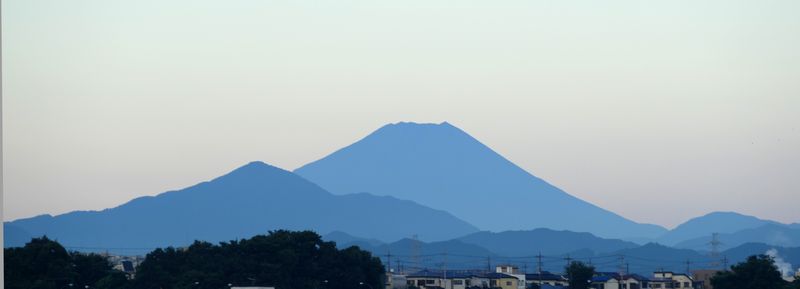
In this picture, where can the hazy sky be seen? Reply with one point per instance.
(657, 110)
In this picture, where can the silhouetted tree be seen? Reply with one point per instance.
(43, 263)
(114, 280)
(757, 272)
(580, 275)
(284, 259)
(794, 284)
(89, 268)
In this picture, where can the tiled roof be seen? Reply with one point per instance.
(451, 274)
(603, 278)
(636, 277)
(498, 276)
(544, 276)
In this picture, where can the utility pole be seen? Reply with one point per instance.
(622, 270)
(687, 266)
(715, 244)
(569, 262)
(488, 264)
(539, 265)
(415, 252)
(444, 271)
(399, 269)
(389, 260)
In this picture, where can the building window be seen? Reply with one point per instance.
(686, 285)
(429, 281)
(458, 282)
(508, 283)
(656, 285)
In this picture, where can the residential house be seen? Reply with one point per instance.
(703, 277)
(126, 266)
(478, 281)
(545, 278)
(396, 281)
(635, 281)
(428, 279)
(605, 281)
(615, 281)
(512, 270)
(504, 281)
(671, 280)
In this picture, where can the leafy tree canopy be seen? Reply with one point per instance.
(580, 275)
(757, 272)
(283, 259)
(44, 263)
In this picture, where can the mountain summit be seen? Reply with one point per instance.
(253, 199)
(715, 222)
(441, 166)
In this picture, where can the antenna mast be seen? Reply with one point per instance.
(715, 244)
(415, 252)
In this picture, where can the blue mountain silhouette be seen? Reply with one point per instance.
(655, 257)
(250, 200)
(770, 234)
(544, 241)
(715, 222)
(440, 166)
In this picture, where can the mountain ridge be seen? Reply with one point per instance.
(434, 164)
(542, 241)
(770, 234)
(249, 200)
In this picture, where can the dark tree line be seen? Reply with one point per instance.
(283, 259)
(579, 274)
(45, 264)
(757, 272)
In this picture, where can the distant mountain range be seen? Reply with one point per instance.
(543, 241)
(394, 192)
(251, 200)
(411, 255)
(442, 167)
(772, 234)
(733, 229)
(716, 222)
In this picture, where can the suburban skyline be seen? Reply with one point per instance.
(619, 106)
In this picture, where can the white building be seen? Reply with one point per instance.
(512, 271)
(670, 280)
(444, 280)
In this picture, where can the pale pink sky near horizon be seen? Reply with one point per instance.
(659, 112)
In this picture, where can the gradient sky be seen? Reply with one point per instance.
(657, 110)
